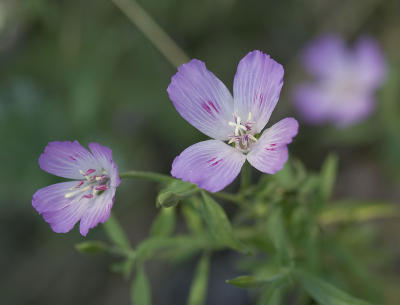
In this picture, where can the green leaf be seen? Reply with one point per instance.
(174, 192)
(277, 232)
(140, 290)
(249, 281)
(325, 293)
(192, 216)
(328, 176)
(164, 224)
(273, 292)
(198, 290)
(219, 225)
(116, 234)
(91, 247)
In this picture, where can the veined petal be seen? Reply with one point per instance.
(257, 86)
(323, 56)
(52, 197)
(65, 159)
(270, 153)
(212, 165)
(202, 99)
(103, 155)
(99, 211)
(63, 220)
(371, 63)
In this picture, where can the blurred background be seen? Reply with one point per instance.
(81, 70)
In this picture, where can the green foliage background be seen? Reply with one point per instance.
(81, 70)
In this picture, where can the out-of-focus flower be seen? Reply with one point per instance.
(344, 83)
(204, 101)
(89, 197)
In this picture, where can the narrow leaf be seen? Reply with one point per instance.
(219, 225)
(325, 293)
(91, 247)
(249, 281)
(328, 176)
(198, 290)
(140, 290)
(192, 216)
(116, 234)
(277, 232)
(164, 224)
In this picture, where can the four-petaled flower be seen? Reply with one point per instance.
(89, 197)
(346, 81)
(204, 101)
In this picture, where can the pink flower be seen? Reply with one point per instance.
(204, 101)
(89, 197)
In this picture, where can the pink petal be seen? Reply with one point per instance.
(99, 211)
(371, 63)
(103, 155)
(65, 159)
(324, 55)
(270, 152)
(257, 86)
(63, 220)
(202, 99)
(212, 165)
(52, 197)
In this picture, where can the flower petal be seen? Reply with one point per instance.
(52, 197)
(63, 220)
(212, 165)
(314, 103)
(371, 63)
(257, 86)
(99, 211)
(270, 153)
(323, 56)
(103, 155)
(202, 99)
(65, 159)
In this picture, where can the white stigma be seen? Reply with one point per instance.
(243, 134)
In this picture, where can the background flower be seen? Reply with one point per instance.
(345, 80)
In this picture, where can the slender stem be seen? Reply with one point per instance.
(160, 39)
(245, 178)
(146, 175)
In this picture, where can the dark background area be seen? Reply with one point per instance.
(81, 70)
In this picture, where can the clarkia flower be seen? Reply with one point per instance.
(345, 81)
(89, 197)
(204, 101)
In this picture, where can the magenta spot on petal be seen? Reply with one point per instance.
(216, 162)
(211, 160)
(101, 188)
(270, 149)
(273, 144)
(79, 184)
(72, 158)
(89, 196)
(90, 171)
(212, 105)
(206, 108)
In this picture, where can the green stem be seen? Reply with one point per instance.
(157, 36)
(147, 176)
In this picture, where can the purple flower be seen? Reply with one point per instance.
(345, 81)
(89, 197)
(204, 101)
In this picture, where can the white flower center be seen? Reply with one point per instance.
(92, 185)
(243, 133)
